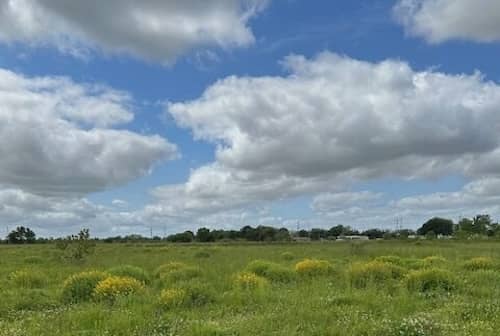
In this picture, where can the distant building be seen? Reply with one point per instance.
(353, 238)
(302, 239)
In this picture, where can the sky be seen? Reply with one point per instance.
(130, 117)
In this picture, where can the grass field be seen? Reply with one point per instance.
(371, 288)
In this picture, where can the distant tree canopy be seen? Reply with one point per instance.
(185, 237)
(438, 226)
(21, 235)
(480, 225)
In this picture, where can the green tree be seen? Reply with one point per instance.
(336, 231)
(203, 235)
(77, 247)
(440, 226)
(21, 235)
(317, 234)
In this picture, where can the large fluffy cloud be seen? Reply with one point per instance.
(331, 122)
(155, 29)
(441, 20)
(57, 137)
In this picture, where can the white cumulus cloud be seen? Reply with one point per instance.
(152, 29)
(441, 20)
(56, 137)
(332, 122)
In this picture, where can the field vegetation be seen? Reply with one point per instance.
(425, 287)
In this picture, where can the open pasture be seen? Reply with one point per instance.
(361, 288)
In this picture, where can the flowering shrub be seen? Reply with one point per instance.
(479, 263)
(112, 287)
(249, 281)
(430, 280)
(28, 279)
(131, 272)
(373, 272)
(271, 271)
(80, 287)
(171, 298)
(313, 267)
(192, 295)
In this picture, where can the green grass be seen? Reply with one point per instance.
(404, 292)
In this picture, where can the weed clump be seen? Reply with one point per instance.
(433, 261)
(202, 255)
(113, 287)
(131, 272)
(433, 279)
(314, 267)
(390, 259)
(193, 295)
(34, 260)
(169, 267)
(287, 256)
(373, 272)
(28, 279)
(173, 297)
(175, 271)
(415, 326)
(479, 263)
(80, 287)
(249, 281)
(271, 271)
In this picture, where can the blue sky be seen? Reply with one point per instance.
(165, 89)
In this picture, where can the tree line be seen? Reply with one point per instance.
(479, 226)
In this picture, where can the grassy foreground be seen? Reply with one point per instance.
(369, 288)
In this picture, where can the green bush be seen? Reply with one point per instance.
(33, 300)
(287, 256)
(168, 268)
(373, 272)
(433, 261)
(271, 271)
(80, 287)
(479, 263)
(28, 279)
(131, 272)
(430, 280)
(183, 274)
(202, 254)
(34, 260)
(413, 263)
